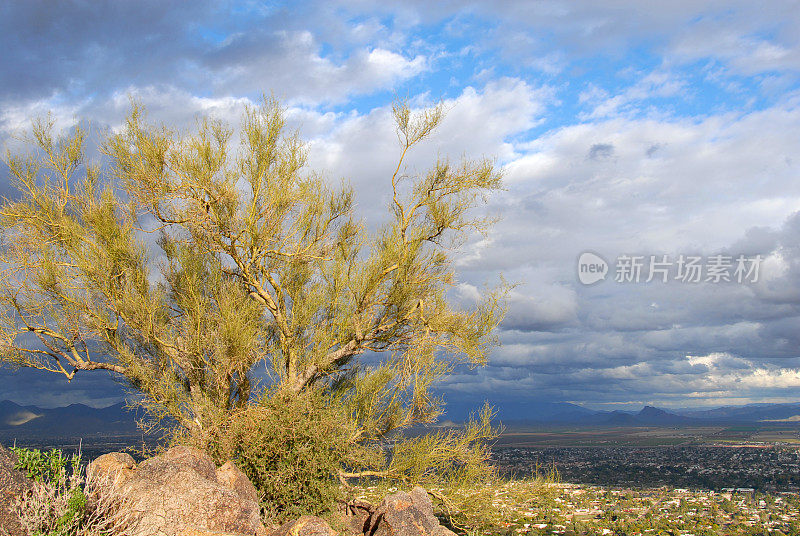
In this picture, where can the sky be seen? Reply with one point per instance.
(649, 134)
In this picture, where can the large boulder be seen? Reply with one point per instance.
(358, 522)
(182, 490)
(406, 514)
(13, 486)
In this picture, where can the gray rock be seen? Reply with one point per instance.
(187, 457)
(422, 501)
(203, 532)
(359, 523)
(13, 486)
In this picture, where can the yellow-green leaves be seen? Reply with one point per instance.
(214, 276)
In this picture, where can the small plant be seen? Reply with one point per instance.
(62, 503)
(57, 505)
(45, 466)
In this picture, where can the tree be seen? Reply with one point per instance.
(185, 269)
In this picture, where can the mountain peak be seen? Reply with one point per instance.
(651, 411)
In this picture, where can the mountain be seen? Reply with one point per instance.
(543, 412)
(12, 414)
(527, 411)
(747, 413)
(613, 418)
(76, 420)
(660, 417)
(648, 416)
(81, 421)
(564, 413)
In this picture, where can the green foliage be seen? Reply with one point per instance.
(453, 456)
(259, 265)
(71, 519)
(61, 502)
(292, 448)
(46, 466)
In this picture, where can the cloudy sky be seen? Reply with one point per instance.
(627, 129)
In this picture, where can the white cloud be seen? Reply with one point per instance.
(364, 148)
(736, 45)
(655, 185)
(291, 64)
(656, 84)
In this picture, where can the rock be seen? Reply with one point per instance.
(112, 466)
(189, 457)
(358, 523)
(406, 514)
(354, 516)
(178, 491)
(422, 501)
(13, 485)
(200, 532)
(231, 477)
(305, 526)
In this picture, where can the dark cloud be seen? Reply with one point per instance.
(6, 188)
(85, 51)
(45, 389)
(80, 48)
(658, 342)
(599, 151)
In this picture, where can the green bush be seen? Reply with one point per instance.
(291, 448)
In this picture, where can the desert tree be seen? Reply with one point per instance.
(221, 278)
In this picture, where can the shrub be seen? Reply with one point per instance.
(62, 503)
(57, 505)
(291, 448)
(45, 466)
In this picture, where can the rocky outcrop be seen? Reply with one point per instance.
(305, 526)
(406, 514)
(182, 493)
(13, 485)
(182, 490)
(358, 521)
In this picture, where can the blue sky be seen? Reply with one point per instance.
(623, 127)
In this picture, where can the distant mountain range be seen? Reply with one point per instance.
(80, 421)
(76, 420)
(565, 413)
